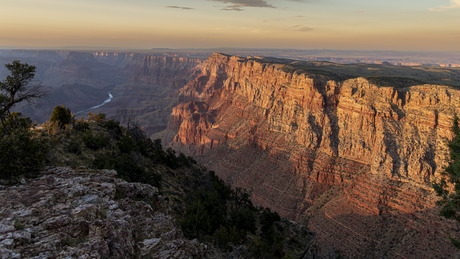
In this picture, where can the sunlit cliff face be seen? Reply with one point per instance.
(349, 156)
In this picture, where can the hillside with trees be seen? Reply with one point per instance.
(206, 208)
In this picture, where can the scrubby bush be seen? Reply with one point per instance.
(74, 147)
(224, 216)
(61, 116)
(269, 244)
(81, 126)
(113, 127)
(95, 141)
(267, 219)
(243, 218)
(97, 117)
(204, 216)
(21, 153)
(126, 145)
(226, 237)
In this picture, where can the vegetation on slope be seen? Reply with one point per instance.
(206, 207)
(20, 152)
(448, 187)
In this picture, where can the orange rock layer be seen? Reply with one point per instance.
(301, 144)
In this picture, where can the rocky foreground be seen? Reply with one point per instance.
(70, 213)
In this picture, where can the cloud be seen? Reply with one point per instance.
(232, 8)
(179, 7)
(238, 5)
(273, 20)
(299, 27)
(453, 4)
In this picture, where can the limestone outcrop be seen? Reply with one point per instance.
(306, 146)
(83, 213)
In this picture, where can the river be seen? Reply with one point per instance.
(96, 106)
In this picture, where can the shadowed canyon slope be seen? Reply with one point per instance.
(144, 85)
(150, 90)
(341, 152)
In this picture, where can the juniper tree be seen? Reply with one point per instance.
(21, 153)
(18, 87)
(61, 115)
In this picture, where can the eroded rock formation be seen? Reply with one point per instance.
(82, 213)
(353, 159)
(150, 90)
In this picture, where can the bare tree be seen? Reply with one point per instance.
(17, 87)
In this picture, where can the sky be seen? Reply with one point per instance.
(431, 25)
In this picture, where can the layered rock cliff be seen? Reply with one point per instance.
(150, 90)
(353, 158)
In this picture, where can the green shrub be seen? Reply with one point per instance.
(127, 168)
(113, 127)
(126, 145)
(21, 153)
(81, 126)
(243, 218)
(204, 215)
(74, 147)
(270, 242)
(97, 117)
(267, 219)
(61, 115)
(143, 144)
(170, 159)
(267, 247)
(18, 225)
(104, 161)
(225, 237)
(95, 141)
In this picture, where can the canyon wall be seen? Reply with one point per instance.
(144, 84)
(353, 160)
(149, 91)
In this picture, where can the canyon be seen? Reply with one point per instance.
(348, 150)
(150, 90)
(143, 85)
(352, 159)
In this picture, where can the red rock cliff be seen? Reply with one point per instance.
(347, 155)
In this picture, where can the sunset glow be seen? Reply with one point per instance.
(303, 24)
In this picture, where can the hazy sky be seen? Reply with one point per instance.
(302, 24)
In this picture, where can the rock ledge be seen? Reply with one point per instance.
(88, 213)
